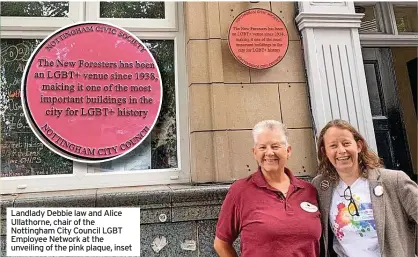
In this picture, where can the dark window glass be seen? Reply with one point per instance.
(151, 10)
(384, 147)
(35, 9)
(159, 150)
(22, 154)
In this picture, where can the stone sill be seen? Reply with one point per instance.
(190, 211)
(176, 202)
(159, 204)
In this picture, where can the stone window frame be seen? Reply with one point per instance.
(171, 28)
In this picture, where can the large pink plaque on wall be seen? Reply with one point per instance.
(91, 92)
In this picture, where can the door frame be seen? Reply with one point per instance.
(389, 93)
(388, 40)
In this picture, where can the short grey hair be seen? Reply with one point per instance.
(272, 125)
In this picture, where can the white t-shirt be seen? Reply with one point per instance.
(354, 236)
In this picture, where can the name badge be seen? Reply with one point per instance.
(308, 207)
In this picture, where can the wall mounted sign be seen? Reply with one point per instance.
(91, 92)
(258, 38)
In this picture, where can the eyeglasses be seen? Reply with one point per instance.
(348, 196)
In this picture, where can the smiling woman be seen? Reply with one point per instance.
(342, 150)
(271, 150)
(271, 207)
(363, 223)
(338, 139)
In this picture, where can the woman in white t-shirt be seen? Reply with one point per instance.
(367, 211)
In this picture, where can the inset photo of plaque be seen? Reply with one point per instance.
(91, 92)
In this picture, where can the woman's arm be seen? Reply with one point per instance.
(408, 194)
(224, 249)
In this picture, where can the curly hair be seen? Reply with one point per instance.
(368, 159)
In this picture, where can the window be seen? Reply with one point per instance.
(157, 16)
(26, 164)
(371, 22)
(47, 16)
(406, 18)
(22, 154)
(35, 9)
(159, 151)
(388, 18)
(143, 10)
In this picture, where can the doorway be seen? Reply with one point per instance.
(392, 106)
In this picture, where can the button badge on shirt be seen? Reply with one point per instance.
(378, 191)
(308, 207)
(324, 185)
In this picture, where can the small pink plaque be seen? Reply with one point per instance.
(91, 92)
(258, 38)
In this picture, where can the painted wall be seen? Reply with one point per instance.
(226, 99)
(400, 57)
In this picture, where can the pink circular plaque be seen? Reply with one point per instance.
(91, 92)
(258, 38)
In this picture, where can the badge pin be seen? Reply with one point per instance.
(308, 207)
(378, 191)
(324, 185)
